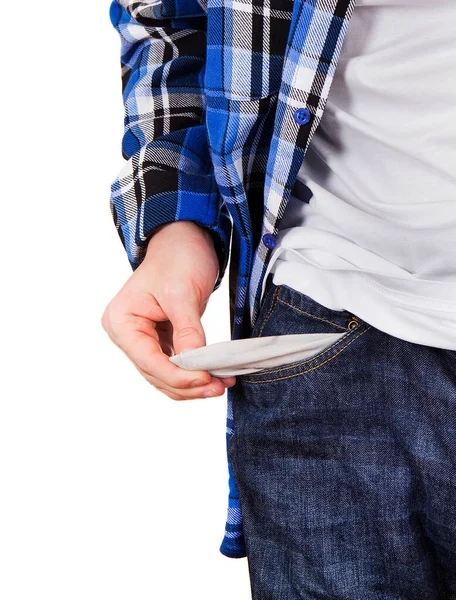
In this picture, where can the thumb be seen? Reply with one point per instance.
(188, 332)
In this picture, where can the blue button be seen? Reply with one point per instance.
(302, 116)
(269, 240)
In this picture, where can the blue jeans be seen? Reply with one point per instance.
(345, 463)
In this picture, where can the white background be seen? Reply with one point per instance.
(109, 489)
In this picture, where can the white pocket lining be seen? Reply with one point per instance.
(250, 355)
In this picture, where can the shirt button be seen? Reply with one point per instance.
(269, 240)
(302, 116)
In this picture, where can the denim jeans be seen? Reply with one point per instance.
(345, 463)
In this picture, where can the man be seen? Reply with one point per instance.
(341, 462)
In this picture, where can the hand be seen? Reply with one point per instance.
(157, 313)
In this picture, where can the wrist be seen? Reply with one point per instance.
(185, 226)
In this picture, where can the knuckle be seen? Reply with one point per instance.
(182, 384)
(105, 321)
(111, 314)
(187, 331)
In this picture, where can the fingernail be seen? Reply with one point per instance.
(209, 394)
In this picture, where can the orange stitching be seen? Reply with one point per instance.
(284, 368)
(271, 308)
(310, 314)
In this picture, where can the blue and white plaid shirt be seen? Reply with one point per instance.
(221, 102)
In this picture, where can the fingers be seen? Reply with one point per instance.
(184, 314)
(228, 381)
(214, 388)
(138, 338)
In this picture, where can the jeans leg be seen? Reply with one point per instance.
(345, 466)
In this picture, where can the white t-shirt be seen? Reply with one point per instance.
(378, 235)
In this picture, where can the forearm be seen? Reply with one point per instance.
(169, 174)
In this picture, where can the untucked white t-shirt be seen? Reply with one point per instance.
(371, 223)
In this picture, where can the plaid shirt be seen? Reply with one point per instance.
(221, 102)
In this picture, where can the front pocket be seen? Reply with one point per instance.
(255, 355)
(291, 313)
(311, 363)
(292, 335)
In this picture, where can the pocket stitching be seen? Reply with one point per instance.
(270, 311)
(258, 378)
(311, 315)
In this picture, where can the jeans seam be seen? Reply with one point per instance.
(259, 377)
(269, 313)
